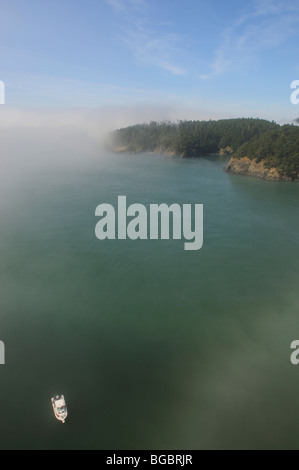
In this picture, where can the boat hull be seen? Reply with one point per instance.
(59, 408)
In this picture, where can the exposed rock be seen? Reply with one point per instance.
(120, 149)
(226, 151)
(167, 152)
(245, 166)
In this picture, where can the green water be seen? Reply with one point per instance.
(154, 347)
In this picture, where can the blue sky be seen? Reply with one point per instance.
(205, 59)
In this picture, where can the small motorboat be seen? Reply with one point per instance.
(59, 408)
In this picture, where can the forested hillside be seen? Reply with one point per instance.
(189, 138)
(277, 146)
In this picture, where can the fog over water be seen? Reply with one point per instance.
(153, 347)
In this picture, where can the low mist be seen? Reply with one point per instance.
(40, 141)
(34, 139)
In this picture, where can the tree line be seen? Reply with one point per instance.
(277, 146)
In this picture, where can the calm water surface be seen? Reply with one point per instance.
(154, 347)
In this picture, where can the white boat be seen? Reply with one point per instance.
(59, 408)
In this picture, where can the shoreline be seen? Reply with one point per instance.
(170, 153)
(239, 166)
(247, 167)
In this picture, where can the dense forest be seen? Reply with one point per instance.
(277, 146)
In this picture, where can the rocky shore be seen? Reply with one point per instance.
(248, 167)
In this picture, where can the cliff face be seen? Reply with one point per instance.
(245, 166)
(158, 150)
(226, 151)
